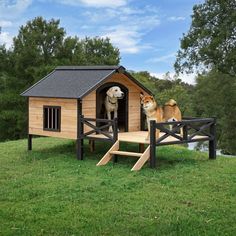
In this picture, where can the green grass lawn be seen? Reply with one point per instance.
(48, 192)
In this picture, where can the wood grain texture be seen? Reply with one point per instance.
(107, 157)
(68, 117)
(142, 160)
(89, 102)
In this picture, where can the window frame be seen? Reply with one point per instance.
(59, 118)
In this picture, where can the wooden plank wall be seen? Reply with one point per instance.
(89, 102)
(68, 117)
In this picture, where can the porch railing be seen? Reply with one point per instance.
(95, 129)
(205, 128)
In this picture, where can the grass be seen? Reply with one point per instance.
(48, 192)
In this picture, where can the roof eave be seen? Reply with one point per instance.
(23, 93)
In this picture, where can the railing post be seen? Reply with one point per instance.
(115, 130)
(185, 132)
(152, 143)
(212, 142)
(29, 142)
(80, 141)
(115, 136)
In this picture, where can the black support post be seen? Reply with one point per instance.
(92, 145)
(152, 143)
(80, 142)
(29, 142)
(115, 130)
(80, 131)
(79, 149)
(185, 132)
(212, 142)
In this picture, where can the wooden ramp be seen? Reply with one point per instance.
(114, 150)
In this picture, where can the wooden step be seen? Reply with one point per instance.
(107, 157)
(142, 160)
(122, 153)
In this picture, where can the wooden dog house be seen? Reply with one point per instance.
(56, 101)
(68, 103)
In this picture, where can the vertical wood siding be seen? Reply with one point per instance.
(68, 117)
(89, 102)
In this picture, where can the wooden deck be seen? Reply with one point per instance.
(140, 137)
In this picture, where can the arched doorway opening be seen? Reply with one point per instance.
(122, 105)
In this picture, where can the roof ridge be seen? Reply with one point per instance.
(95, 67)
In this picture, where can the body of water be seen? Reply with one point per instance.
(203, 147)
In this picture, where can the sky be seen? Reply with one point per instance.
(147, 32)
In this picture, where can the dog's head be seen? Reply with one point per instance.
(147, 101)
(115, 92)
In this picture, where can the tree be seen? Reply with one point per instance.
(210, 47)
(37, 44)
(40, 38)
(215, 96)
(99, 51)
(211, 39)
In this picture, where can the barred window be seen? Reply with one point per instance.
(52, 118)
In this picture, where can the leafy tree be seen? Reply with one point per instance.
(181, 95)
(99, 51)
(215, 96)
(146, 79)
(37, 43)
(210, 46)
(210, 41)
(40, 38)
(71, 52)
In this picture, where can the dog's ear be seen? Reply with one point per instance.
(141, 97)
(152, 98)
(110, 93)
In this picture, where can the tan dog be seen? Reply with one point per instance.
(111, 102)
(171, 112)
(152, 111)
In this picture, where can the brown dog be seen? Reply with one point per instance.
(171, 112)
(152, 111)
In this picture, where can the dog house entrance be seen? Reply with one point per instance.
(122, 105)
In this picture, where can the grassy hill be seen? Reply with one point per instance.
(48, 192)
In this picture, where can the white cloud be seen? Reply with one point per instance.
(128, 37)
(176, 18)
(127, 40)
(166, 58)
(11, 9)
(129, 28)
(95, 3)
(6, 38)
(187, 78)
(5, 23)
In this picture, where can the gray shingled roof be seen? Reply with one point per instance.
(73, 81)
